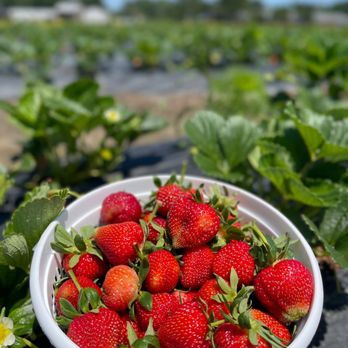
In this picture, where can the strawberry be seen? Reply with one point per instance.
(162, 305)
(80, 253)
(120, 207)
(164, 271)
(197, 267)
(192, 223)
(88, 265)
(120, 287)
(209, 289)
(230, 335)
(104, 329)
(285, 290)
(117, 241)
(217, 309)
(167, 195)
(69, 291)
(126, 319)
(185, 296)
(277, 328)
(186, 327)
(235, 254)
(153, 233)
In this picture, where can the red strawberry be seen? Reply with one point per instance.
(126, 319)
(185, 296)
(277, 328)
(285, 290)
(191, 223)
(120, 207)
(162, 305)
(167, 195)
(197, 268)
(235, 254)
(209, 289)
(217, 309)
(163, 273)
(89, 265)
(69, 291)
(186, 327)
(229, 335)
(120, 287)
(104, 329)
(117, 241)
(153, 233)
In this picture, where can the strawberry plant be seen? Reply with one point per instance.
(38, 209)
(297, 161)
(73, 133)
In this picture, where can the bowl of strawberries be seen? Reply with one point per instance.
(175, 263)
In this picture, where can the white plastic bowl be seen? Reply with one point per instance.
(85, 211)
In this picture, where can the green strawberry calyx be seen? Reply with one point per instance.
(76, 243)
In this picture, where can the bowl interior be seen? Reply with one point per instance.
(85, 211)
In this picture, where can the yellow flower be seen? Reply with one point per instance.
(106, 154)
(112, 115)
(7, 338)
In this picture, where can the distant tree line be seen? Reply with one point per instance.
(6, 3)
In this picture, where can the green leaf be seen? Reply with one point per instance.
(87, 232)
(275, 163)
(143, 269)
(333, 231)
(32, 218)
(238, 137)
(88, 300)
(74, 260)
(203, 131)
(145, 300)
(23, 319)
(14, 252)
(5, 183)
(80, 243)
(132, 336)
(68, 309)
(324, 136)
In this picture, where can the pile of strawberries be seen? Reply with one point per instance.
(179, 272)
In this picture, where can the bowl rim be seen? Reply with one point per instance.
(58, 337)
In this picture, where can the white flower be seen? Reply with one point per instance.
(112, 115)
(7, 338)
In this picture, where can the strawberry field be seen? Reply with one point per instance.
(263, 107)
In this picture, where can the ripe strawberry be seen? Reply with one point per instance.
(235, 254)
(162, 305)
(167, 195)
(277, 328)
(153, 233)
(117, 241)
(186, 327)
(191, 223)
(126, 319)
(120, 287)
(285, 290)
(88, 265)
(120, 207)
(69, 291)
(217, 309)
(185, 296)
(209, 289)
(163, 273)
(197, 267)
(229, 335)
(104, 329)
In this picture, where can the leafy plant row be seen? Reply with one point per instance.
(297, 161)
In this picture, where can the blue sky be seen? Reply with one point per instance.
(117, 4)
